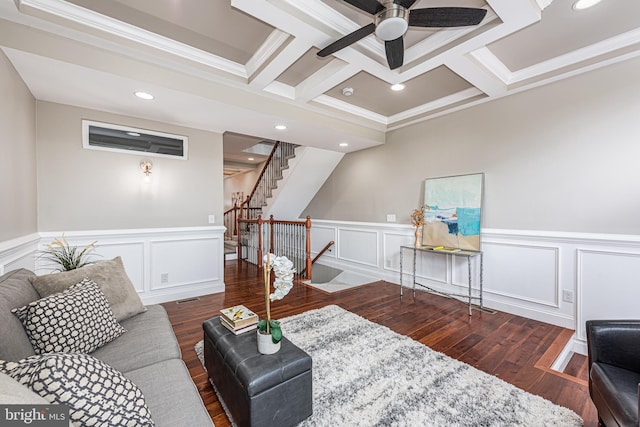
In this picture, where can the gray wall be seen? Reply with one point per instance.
(17, 155)
(564, 157)
(81, 189)
(243, 182)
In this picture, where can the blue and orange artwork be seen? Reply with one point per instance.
(452, 209)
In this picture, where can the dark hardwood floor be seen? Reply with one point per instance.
(515, 349)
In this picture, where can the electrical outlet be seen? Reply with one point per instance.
(567, 296)
(164, 277)
(212, 219)
(391, 217)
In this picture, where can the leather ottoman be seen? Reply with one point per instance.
(257, 390)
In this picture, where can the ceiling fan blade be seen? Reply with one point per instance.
(405, 3)
(395, 52)
(369, 6)
(347, 40)
(446, 17)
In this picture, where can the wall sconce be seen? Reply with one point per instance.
(146, 166)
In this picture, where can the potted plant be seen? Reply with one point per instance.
(269, 332)
(67, 257)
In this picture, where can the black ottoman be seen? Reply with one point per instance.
(258, 390)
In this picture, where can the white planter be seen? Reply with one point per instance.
(266, 345)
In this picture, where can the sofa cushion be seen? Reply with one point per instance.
(95, 393)
(14, 393)
(109, 275)
(172, 396)
(15, 291)
(76, 320)
(149, 339)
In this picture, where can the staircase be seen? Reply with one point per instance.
(290, 179)
(305, 175)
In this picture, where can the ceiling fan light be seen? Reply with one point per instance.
(391, 28)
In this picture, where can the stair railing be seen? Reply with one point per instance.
(283, 238)
(313, 261)
(230, 222)
(271, 173)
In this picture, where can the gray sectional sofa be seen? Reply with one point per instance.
(147, 354)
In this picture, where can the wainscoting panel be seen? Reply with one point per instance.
(321, 236)
(184, 262)
(192, 257)
(433, 267)
(460, 272)
(533, 276)
(358, 246)
(608, 286)
(391, 242)
(19, 253)
(132, 254)
(555, 277)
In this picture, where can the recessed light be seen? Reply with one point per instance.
(144, 95)
(251, 159)
(281, 127)
(584, 4)
(397, 87)
(344, 144)
(133, 134)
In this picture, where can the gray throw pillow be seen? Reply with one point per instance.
(109, 275)
(76, 320)
(96, 393)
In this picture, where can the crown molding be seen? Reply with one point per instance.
(121, 29)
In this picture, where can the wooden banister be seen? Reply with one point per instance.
(286, 233)
(325, 249)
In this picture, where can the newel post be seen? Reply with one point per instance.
(271, 234)
(259, 241)
(308, 248)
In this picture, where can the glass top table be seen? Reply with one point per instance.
(474, 295)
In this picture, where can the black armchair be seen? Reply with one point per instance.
(614, 370)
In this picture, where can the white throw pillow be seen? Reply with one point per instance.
(96, 393)
(76, 320)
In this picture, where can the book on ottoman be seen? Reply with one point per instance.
(238, 317)
(240, 330)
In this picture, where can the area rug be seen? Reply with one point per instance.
(365, 374)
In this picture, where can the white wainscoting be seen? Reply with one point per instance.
(164, 264)
(525, 272)
(19, 253)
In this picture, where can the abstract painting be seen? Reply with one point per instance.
(452, 211)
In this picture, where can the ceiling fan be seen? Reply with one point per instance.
(392, 19)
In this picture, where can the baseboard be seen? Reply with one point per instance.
(158, 297)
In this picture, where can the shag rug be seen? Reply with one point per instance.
(365, 374)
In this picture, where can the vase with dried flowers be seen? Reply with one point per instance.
(418, 220)
(269, 332)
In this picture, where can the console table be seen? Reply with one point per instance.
(459, 253)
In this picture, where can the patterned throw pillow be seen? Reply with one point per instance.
(76, 320)
(96, 393)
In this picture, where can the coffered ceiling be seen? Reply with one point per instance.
(244, 65)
